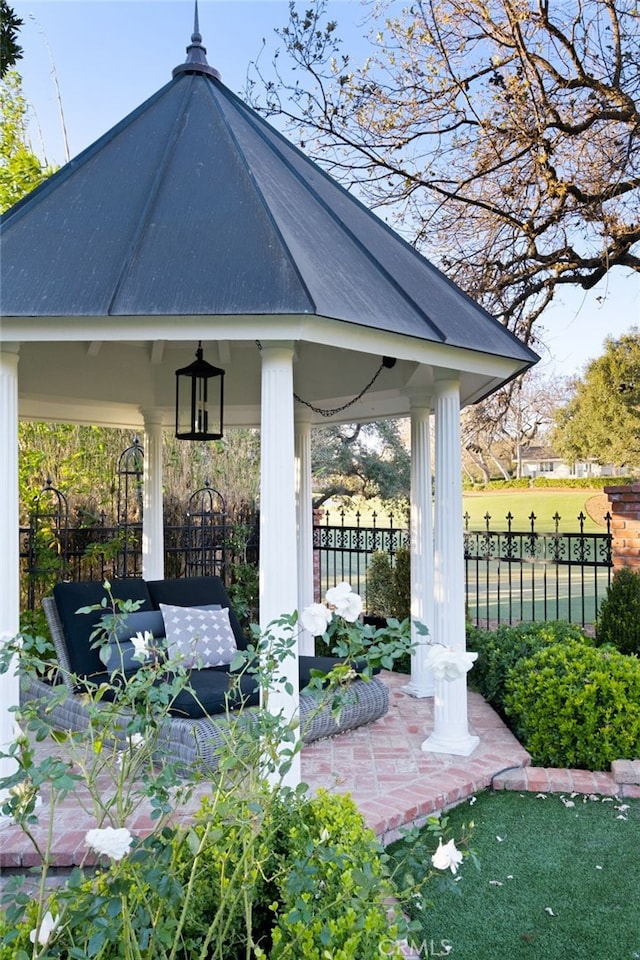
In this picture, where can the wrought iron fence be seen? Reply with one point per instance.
(52, 549)
(510, 575)
(513, 575)
(343, 551)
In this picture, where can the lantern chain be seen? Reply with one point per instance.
(325, 412)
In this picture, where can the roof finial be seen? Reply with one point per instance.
(196, 26)
(196, 61)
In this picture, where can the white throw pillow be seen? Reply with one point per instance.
(203, 638)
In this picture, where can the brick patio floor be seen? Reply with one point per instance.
(382, 766)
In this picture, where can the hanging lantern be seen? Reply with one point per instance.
(199, 396)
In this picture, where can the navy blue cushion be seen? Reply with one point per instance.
(209, 694)
(142, 621)
(78, 627)
(196, 592)
(122, 650)
(210, 687)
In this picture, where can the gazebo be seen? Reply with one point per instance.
(193, 221)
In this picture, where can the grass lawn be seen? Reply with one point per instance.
(568, 504)
(544, 502)
(557, 880)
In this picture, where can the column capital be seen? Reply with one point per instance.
(443, 376)
(153, 417)
(420, 398)
(303, 416)
(268, 346)
(10, 347)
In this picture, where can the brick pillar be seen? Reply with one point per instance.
(624, 507)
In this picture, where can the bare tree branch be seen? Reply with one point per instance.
(501, 137)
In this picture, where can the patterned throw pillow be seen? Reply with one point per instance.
(203, 638)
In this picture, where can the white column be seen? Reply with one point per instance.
(9, 539)
(304, 514)
(451, 731)
(278, 548)
(422, 683)
(152, 517)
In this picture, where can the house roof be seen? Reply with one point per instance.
(194, 205)
(536, 453)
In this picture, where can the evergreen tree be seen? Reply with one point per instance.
(602, 420)
(10, 50)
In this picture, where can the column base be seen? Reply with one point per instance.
(458, 746)
(420, 688)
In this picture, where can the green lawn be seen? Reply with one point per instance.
(568, 504)
(543, 502)
(558, 879)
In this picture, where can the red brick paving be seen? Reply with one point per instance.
(394, 783)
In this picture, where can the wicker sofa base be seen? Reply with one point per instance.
(194, 745)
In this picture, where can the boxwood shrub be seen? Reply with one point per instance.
(499, 650)
(287, 878)
(619, 614)
(573, 705)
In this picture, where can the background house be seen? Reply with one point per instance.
(543, 461)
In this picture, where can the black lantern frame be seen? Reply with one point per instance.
(199, 400)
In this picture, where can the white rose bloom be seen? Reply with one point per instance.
(141, 644)
(347, 603)
(447, 857)
(351, 608)
(110, 841)
(335, 595)
(44, 931)
(448, 664)
(315, 618)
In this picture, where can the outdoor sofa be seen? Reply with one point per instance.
(192, 735)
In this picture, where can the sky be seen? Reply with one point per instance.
(91, 62)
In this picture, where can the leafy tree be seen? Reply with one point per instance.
(10, 50)
(602, 420)
(79, 460)
(230, 465)
(501, 136)
(82, 462)
(20, 168)
(370, 460)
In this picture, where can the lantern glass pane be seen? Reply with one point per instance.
(198, 406)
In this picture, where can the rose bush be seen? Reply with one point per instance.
(262, 871)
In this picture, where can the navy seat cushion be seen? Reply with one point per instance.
(122, 650)
(207, 696)
(196, 592)
(210, 687)
(141, 621)
(78, 627)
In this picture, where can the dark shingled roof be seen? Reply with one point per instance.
(194, 205)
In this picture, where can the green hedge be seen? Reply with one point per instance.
(570, 483)
(572, 705)
(500, 650)
(583, 483)
(618, 621)
(288, 877)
